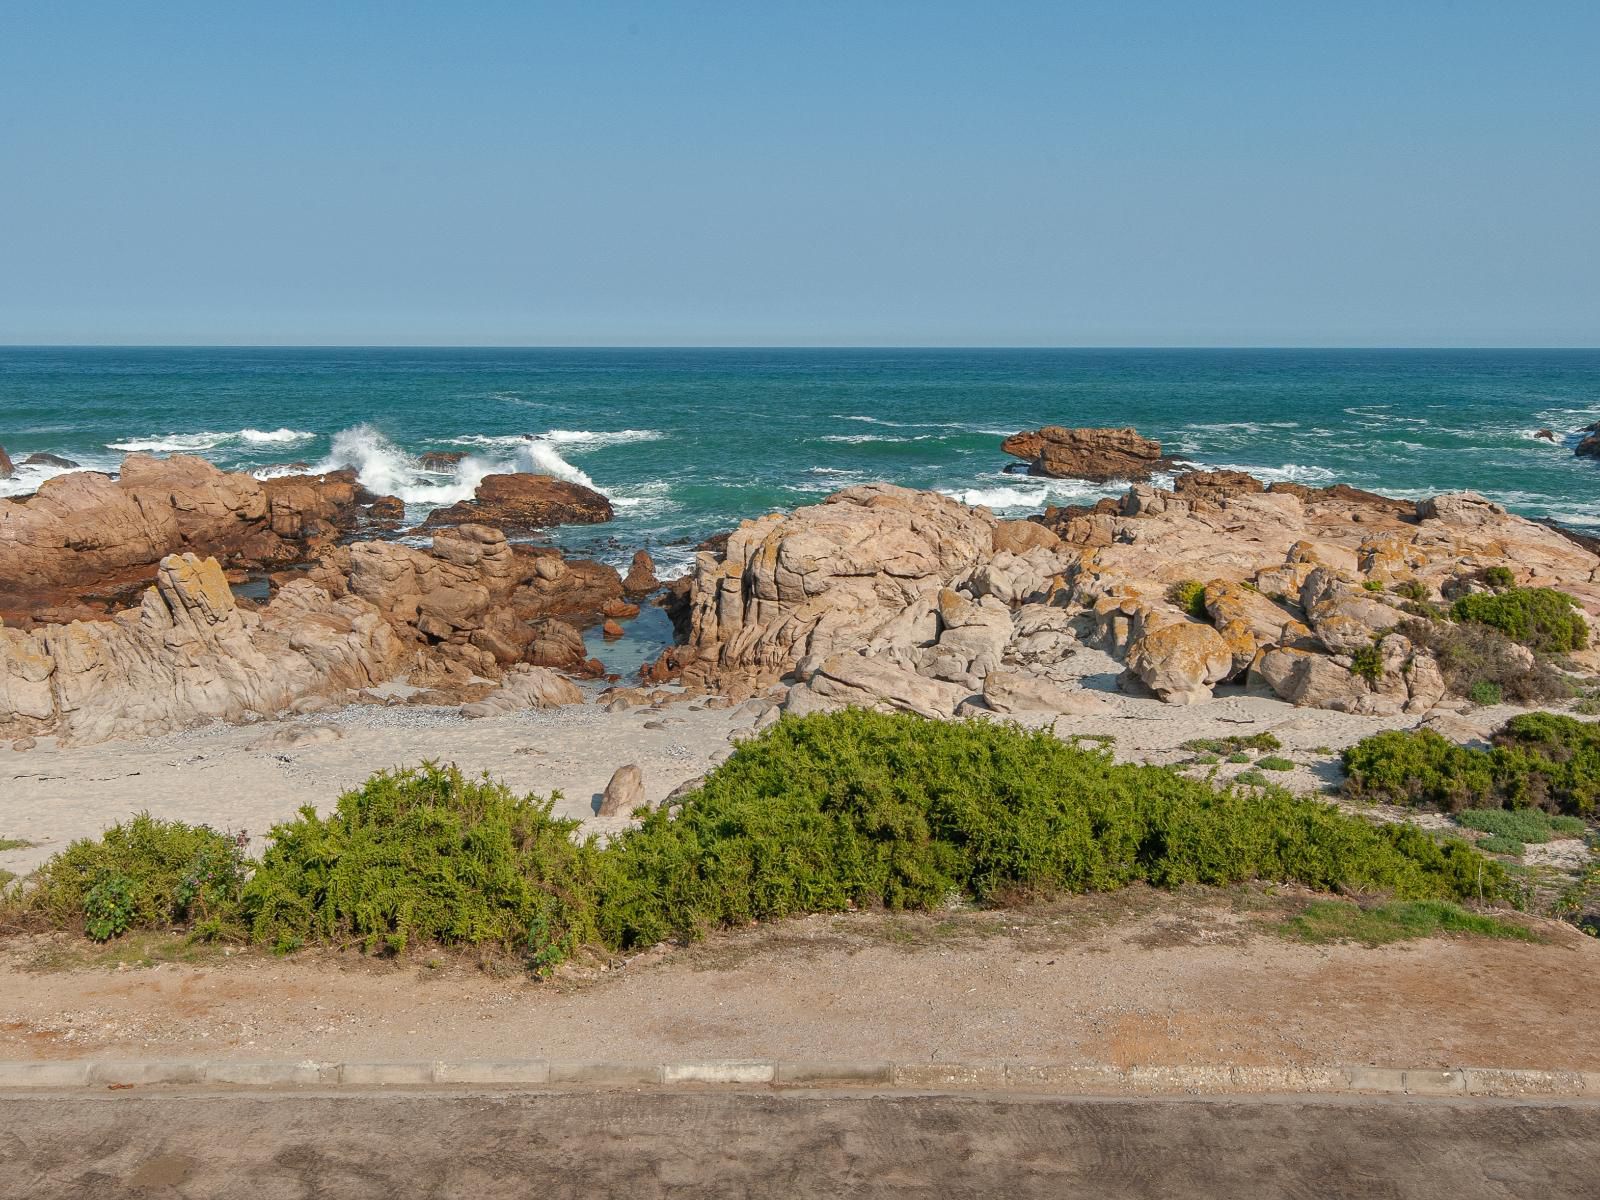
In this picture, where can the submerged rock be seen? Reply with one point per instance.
(46, 460)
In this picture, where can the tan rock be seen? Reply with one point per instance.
(1094, 454)
(522, 503)
(852, 679)
(1181, 661)
(624, 793)
(525, 687)
(1012, 691)
(641, 578)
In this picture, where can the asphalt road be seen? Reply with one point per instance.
(719, 1143)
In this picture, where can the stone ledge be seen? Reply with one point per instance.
(1057, 1078)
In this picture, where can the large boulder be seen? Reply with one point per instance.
(525, 687)
(524, 503)
(6, 469)
(624, 792)
(1589, 445)
(1098, 455)
(1015, 692)
(641, 578)
(1180, 661)
(843, 680)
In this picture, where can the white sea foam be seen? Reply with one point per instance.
(1287, 473)
(173, 443)
(578, 440)
(26, 479)
(859, 439)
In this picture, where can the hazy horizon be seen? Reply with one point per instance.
(907, 175)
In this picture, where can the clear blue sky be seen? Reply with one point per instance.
(1407, 172)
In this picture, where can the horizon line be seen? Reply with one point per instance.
(769, 346)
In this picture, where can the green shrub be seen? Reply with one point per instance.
(1485, 693)
(1523, 824)
(866, 809)
(1326, 921)
(1411, 589)
(1367, 662)
(1275, 762)
(1372, 585)
(147, 874)
(1239, 757)
(1499, 577)
(1499, 843)
(1189, 595)
(819, 814)
(1538, 760)
(1234, 744)
(1252, 778)
(428, 855)
(1542, 619)
(1473, 654)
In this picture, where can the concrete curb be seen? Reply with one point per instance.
(1059, 1079)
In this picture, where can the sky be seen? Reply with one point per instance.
(868, 172)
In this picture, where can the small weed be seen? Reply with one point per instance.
(1189, 595)
(1522, 824)
(1234, 744)
(14, 844)
(1252, 778)
(1411, 589)
(1485, 693)
(1372, 585)
(1323, 750)
(1240, 757)
(1325, 921)
(1275, 762)
(1367, 662)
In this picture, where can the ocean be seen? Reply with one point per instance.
(687, 442)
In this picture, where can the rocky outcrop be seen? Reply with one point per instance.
(1589, 445)
(47, 460)
(525, 503)
(441, 460)
(1098, 455)
(85, 542)
(6, 469)
(188, 654)
(475, 601)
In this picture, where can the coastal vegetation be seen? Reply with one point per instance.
(1536, 760)
(824, 813)
(1544, 620)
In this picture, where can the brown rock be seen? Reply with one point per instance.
(522, 503)
(1206, 484)
(611, 631)
(1018, 537)
(1097, 455)
(45, 460)
(441, 460)
(624, 793)
(641, 578)
(1589, 447)
(619, 610)
(6, 469)
(1548, 435)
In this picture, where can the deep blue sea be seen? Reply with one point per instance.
(687, 442)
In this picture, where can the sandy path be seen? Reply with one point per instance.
(1138, 978)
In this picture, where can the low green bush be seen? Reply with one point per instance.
(1498, 577)
(1239, 757)
(1538, 760)
(1275, 762)
(1485, 693)
(865, 809)
(1372, 585)
(1523, 824)
(818, 814)
(1499, 843)
(1411, 589)
(428, 855)
(1189, 595)
(1542, 619)
(1473, 656)
(1326, 921)
(146, 874)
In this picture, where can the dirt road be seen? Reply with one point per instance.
(650, 1144)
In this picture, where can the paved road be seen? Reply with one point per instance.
(717, 1143)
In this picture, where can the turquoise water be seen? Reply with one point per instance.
(686, 442)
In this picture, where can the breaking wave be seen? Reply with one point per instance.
(173, 443)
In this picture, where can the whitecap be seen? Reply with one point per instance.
(27, 478)
(175, 443)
